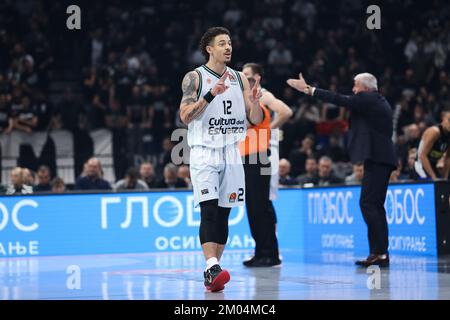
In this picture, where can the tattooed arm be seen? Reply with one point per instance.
(190, 108)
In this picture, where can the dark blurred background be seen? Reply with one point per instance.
(122, 71)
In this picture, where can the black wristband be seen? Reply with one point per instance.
(208, 97)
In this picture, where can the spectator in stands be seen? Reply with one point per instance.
(413, 135)
(137, 120)
(6, 124)
(408, 172)
(147, 174)
(280, 57)
(330, 112)
(305, 118)
(23, 117)
(420, 116)
(28, 77)
(69, 110)
(357, 175)
(17, 185)
(165, 156)
(117, 121)
(93, 179)
(298, 157)
(310, 175)
(136, 110)
(160, 112)
(99, 104)
(184, 173)
(28, 176)
(284, 171)
(130, 182)
(43, 110)
(335, 149)
(171, 180)
(115, 117)
(85, 169)
(43, 175)
(97, 46)
(58, 185)
(326, 174)
(395, 175)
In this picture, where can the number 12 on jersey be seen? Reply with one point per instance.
(227, 106)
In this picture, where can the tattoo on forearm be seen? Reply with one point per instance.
(196, 111)
(190, 97)
(188, 100)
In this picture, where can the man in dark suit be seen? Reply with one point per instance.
(370, 141)
(93, 178)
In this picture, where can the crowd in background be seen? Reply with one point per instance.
(133, 55)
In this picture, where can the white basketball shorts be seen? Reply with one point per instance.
(217, 173)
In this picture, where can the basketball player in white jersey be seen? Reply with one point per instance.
(281, 114)
(216, 105)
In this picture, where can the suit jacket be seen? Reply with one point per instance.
(371, 128)
(87, 183)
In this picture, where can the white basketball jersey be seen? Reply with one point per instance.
(224, 120)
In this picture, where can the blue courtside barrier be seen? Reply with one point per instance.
(333, 220)
(309, 220)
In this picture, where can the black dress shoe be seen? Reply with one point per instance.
(249, 261)
(262, 262)
(361, 262)
(381, 260)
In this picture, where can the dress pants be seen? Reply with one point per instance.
(260, 213)
(373, 195)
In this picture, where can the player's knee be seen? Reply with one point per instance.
(209, 213)
(222, 224)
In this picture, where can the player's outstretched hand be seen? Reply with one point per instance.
(256, 93)
(220, 86)
(298, 84)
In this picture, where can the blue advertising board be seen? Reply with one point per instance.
(308, 220)
(107, 223)
(333, 219)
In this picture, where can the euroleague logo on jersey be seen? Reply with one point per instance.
(232, 198)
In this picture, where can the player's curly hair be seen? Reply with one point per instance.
(209, 36)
